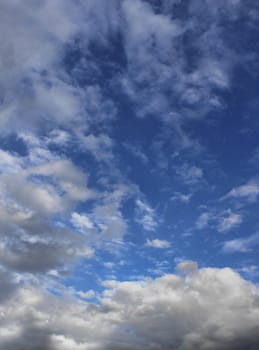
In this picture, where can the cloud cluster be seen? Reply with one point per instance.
(32, 202)
(62, 85)
(197, 309)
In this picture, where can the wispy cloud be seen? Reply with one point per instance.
(222, 221)
(241, 245)
(146, 215)
(248, 192)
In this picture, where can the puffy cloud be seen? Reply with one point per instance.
(86, 295)
(29, 48)
(201, 309)
(32, 238)
(53, 187)
(82, 222)
(9, 163)
(158, 243)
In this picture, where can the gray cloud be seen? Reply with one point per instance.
(203, 309)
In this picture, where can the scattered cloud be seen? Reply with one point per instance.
(248, 192)
(241, 245)
(203, 220)
(181, 197)
(146, 215)
(82, 83)
(222, 221)
(189, 174)
(228, 221)
(158, 243)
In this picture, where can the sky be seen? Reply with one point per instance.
(129, 175)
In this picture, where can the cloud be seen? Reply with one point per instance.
(53, 186)
(146, 215)
(34, 236)
(248, 192)
(203, 220)
(200, 309)
(82, 222)
(189, 174)
(31, 47)
(62, 87)
(223, 221)
(137, 152)
(99, 146)
(158, 243)
(86, 295)
(228, 222)
(181, 197)
(241, 245)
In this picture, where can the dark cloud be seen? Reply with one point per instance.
(31, 338)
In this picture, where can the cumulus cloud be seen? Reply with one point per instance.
(200, 309)
(32, 201)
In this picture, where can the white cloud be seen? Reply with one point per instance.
(82, 222)
(32, 240)
(223, 221)
(146, 215)
(242, 245)
(158, 243)
(249, 192)
(229, 221)
(182, 197)
(32, 37)
(86, 295)
(203, 220)
(9, 163)
(137, 152)
(67, 185)
(189, 174)
(203, 309)
(99, 146)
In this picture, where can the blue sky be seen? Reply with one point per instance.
(129, 180)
